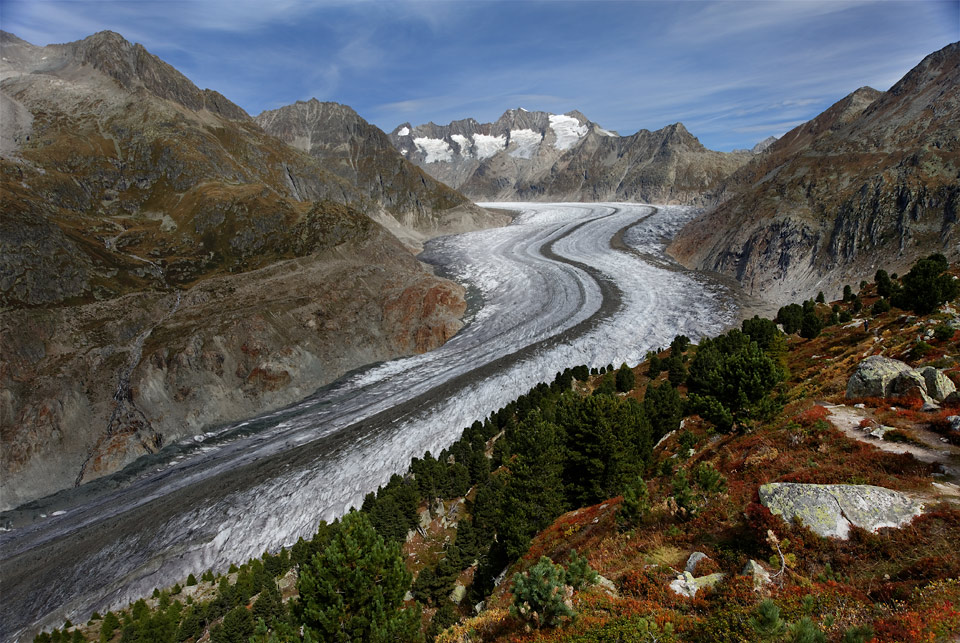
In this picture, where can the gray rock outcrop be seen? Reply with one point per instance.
(939, 386)
(874, 377)
(694, 560)
(831, 510)
(686, 585)
(879, 376)
(760, 576)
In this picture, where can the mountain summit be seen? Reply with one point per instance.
(527, 155)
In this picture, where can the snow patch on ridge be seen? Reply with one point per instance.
(527, 142)
(488, 145)
(403, 131)
(464, 144)
(436, 149)
(567, 129)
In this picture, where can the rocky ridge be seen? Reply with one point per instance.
(361, 154)
(165, 264)
(869, 183)
(535, 156)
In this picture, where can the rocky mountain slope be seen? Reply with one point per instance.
(363, 155)
(165, 264)
(565, 157)
(870, 183)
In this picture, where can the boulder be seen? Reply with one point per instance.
(831, 509)
(458, 594)
(953, 422)
(874, 376)
(909, 384)
(694, 560)
(939, 386)
(761, 577)
(607, 585)
(425, 519)
(686, 585)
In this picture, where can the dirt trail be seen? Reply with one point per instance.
(847, 419)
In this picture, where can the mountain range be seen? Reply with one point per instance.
(538, 156)
(171, 263)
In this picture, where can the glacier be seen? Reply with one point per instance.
(564, 284)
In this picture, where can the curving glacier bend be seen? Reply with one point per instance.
(564, 284)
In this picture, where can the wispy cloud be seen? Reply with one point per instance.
(733, 72)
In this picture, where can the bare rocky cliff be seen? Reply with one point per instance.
(565, 157)
(166, 265)
(873, 182)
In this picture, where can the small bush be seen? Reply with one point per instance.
(943, 333)
(579, 572)
(541, 596)
(709, 479)
(880, 306)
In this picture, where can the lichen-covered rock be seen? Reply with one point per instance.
(694, 560)
(909, 384)
(458, 594)
(874, 377)
(831, 509)
(939, 386)
(686, 585)
(761, 577)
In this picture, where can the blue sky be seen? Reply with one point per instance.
(733, 72)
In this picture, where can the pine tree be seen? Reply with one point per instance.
(353, 590)
(625, 379)
(579, 572)
(533, 495)
(636, 504)
(664, 408)
(541, 596)
(109, 626)
(766, 622)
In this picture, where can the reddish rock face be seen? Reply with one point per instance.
(425, 315)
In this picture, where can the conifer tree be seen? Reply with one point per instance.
(353, 590)
(541, 596)
(625, 379)
(533, 494)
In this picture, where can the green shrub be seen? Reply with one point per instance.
(766, 623)
(880, 306)
(709, 479)
(579, 572)
(926, 287)
(943, 333)
(541, 596)
(636, 504)
(805, 631)
(858, 634)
